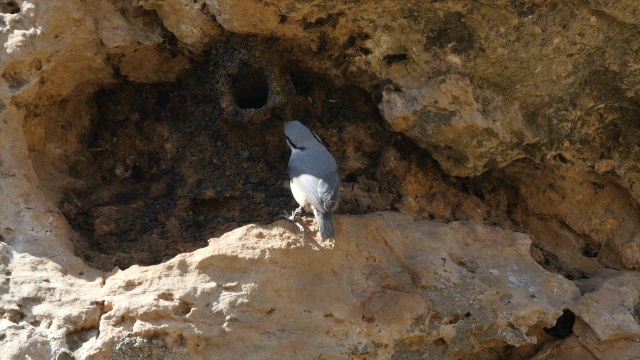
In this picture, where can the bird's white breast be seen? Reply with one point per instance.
(300, 197)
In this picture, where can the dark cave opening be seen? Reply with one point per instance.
(564, 325)
(168, 166)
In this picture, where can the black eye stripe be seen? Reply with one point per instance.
(294, 145)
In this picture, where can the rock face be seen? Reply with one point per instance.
(466, 128)
(609, 316)
(387, 287)
(488, 155)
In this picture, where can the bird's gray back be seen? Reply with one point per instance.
(316, 161)
(315, 172)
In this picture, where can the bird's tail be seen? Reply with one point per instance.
(325, 223)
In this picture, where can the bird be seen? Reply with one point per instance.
(313, 174)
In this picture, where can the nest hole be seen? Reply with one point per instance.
(250, 89)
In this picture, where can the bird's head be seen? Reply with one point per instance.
(300, 137)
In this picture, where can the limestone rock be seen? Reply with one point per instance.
(479, 85)
(565, 349)
(513, 104)
(43, 43)
(469, 130)
(609, 323)
(231, 15)
(518, 69)
(387, 286)
(603, 232)
(627, 12)
(189, 21)
(134, 39)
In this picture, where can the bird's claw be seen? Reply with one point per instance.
(285, 215)
(292, 218)
(302, 229)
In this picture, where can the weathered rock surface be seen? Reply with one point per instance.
(388, 286)
(536, 101)
(610, 316)
(479, 84)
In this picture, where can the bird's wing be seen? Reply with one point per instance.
(329, 190)
(320, 184)
(308, 185)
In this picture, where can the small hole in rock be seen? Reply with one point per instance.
(250, 90)
(394, 58)
(368, 319)
(563, 326)
(165, 296)
(305, 81)
(439, 342)
(364, 50)
(563, 159)
(351, 41)
(577, 274)
(351, 178)
(9, 7)
(591, 250)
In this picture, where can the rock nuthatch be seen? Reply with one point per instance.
(313, 174)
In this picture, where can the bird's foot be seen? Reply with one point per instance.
(286, 215)
(302, 229)
(292, 218)
(293, 215)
